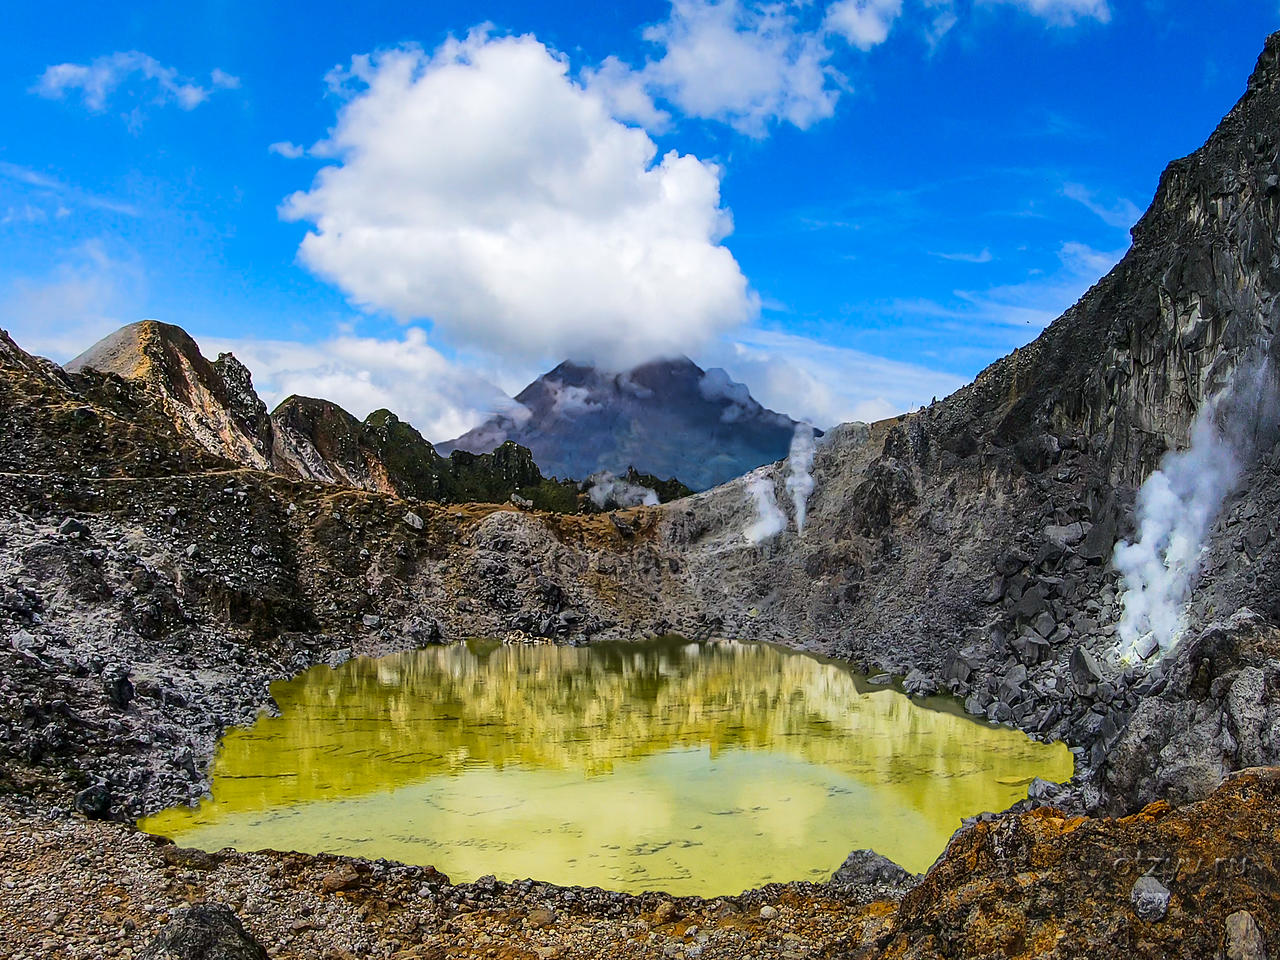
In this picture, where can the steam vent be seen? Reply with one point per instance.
(638, 666)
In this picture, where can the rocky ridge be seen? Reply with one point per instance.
(215, 405)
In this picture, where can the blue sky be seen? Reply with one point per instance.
(852, 205)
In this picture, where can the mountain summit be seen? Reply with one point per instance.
(667, 417)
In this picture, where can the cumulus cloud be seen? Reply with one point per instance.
(361, 374)
(743, 63)
(863, 23)
(626, 94)
(483, 188)
(1064, 13)
(141, 77)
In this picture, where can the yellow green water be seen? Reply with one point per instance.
(691, 768)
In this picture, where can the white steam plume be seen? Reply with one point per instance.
(1178, 503)
(799, 479)
(770, 521)
(609, 491)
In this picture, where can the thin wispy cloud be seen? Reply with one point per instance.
(48, 188)
(1122, 213)
(982, 256)
(130, 75)
(1060, 13)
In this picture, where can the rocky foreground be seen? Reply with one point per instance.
(1194, 882)
(153, 582)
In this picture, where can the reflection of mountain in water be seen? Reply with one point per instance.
(377, 724)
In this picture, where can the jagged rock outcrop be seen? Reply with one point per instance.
(214, 403)
(668, 418)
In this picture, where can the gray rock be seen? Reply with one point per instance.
(919, 684)
(1084, 668)
(94, 802)
(71, 527)
(204, 932)
(1247, 708)
(1044, 624)
(413, 520)
(1243, 940)
(1150, 899)
(117, 686)
(867, 866)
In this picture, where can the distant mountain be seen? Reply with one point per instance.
(668, 418)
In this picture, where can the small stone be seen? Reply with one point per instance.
(880, 680)
(1244, 939)
(667, 912)
(1150, 899)
(344, 878)
(413, 520)
(540, 917)
(71, 527)
(371, 621)
(768, 913)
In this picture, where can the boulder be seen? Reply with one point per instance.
(117, 686)
(866, 867)
(206, 931)
(917, 683)
(1085, 671)
(1243, 939)
(1150, 899)
(94, 802)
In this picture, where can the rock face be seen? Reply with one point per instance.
(204, 932)
(213, 402)
(668, 418)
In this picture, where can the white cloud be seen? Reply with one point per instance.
(361, 374)
(943, 18)
(143, 78)
(86, 295)
(49, 192)
(624, 93)
(863, 23)
(287, 149)
(482, 188)
(1122, 214)
(983, 256)
(1064, 13)
(825, 384)
(745, 64)
(1027, 307)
